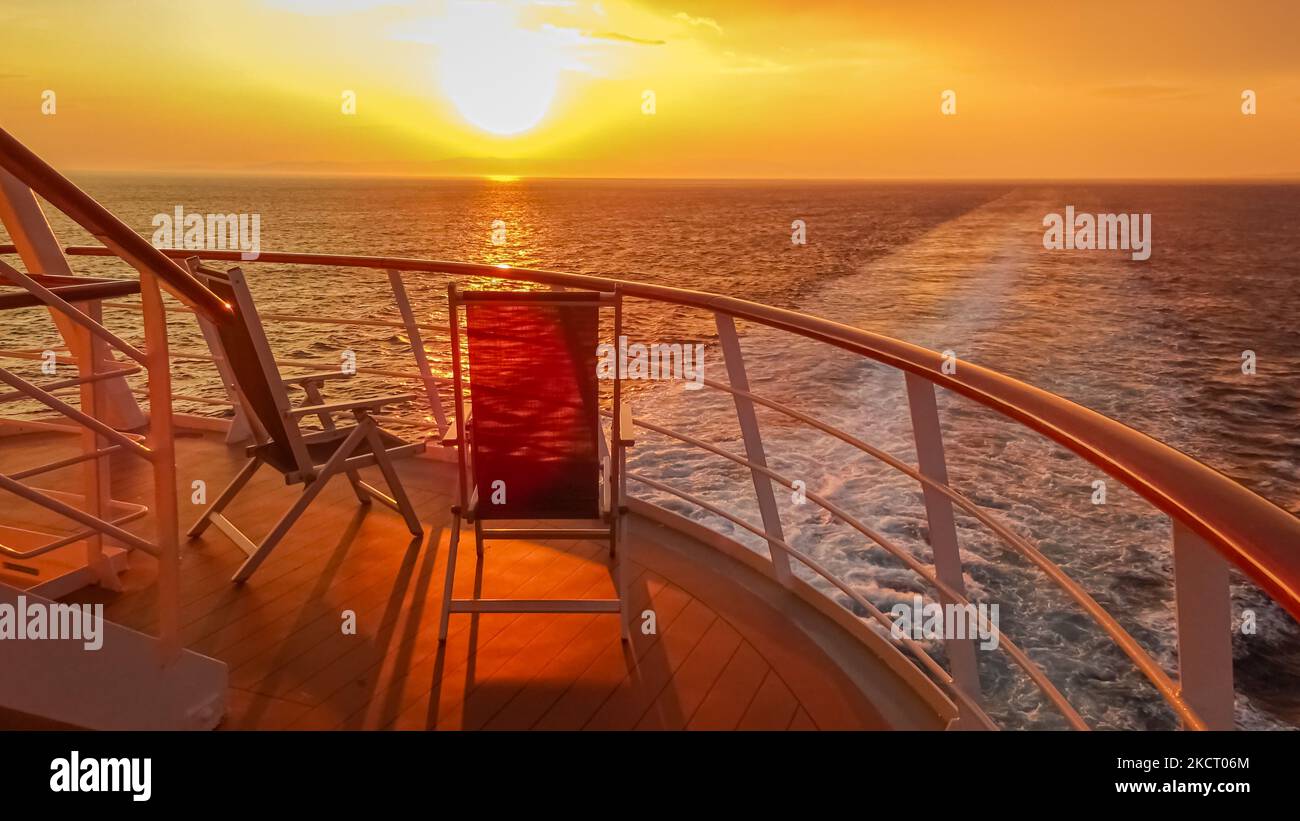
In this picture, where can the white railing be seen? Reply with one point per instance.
(1216, 521)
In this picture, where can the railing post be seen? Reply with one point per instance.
(754, 452)
(417, 347)
(161, 441)
(39, 250)
(91, 352)
(943, 527)
(1203, 602)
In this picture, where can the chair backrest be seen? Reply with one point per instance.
(252, 366)
(535, 401)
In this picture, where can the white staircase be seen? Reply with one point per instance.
(123, 685)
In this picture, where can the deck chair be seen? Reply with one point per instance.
(307, 458)
(530, 444)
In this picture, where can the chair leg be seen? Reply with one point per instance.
(278, 532)
(385, 463)
(445, 616)
(310, 492)
(314, 397)
(620, 580)
(219, 504)
(478, 537)
(358, 488)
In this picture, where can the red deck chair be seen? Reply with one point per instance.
(310, 459)
(532, 446)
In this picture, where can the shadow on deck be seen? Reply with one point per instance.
(725, 653)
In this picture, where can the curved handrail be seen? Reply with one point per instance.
(1255, 535)
(1108, 623)
(60, 192)
(1034, 672)
(944, 678)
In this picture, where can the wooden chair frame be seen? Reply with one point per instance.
(362, 445)
(612, 497)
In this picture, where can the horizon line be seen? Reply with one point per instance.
(1291, 178)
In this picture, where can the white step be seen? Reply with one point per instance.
(120, 686)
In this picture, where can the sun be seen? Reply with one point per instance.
(501, 78)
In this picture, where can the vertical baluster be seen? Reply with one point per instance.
(417, 347)
(753, 444)
(161, 441)
(1203, 602)
(93, 358)
(943, 528)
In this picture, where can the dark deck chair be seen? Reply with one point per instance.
(310, 459)
(532, 446)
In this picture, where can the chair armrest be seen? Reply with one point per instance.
(317, 378)
(451, 438)
(625, 424)
(369, 403)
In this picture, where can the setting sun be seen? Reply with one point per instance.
(501, 78)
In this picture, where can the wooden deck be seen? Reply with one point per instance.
(721, 658)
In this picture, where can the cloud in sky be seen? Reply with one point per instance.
(622, 38)
(698, 22)
(322, 7)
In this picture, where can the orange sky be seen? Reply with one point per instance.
(742, 88)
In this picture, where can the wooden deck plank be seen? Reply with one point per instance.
(641, 686)
(801, 720)
(773, 706)
(491, 689)
(555, 676)
(494, 692)
(443, 703)
(716, 661)
(691, 682)
(594, 685)
(422, 663)
(830, 697)
(732, 693)
(251, 711)
(309, 679)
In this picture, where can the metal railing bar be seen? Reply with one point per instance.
(118, 238)
(752, 438)
(1024, 662)
(412, 328)
(57, 303)
(28, 355)
(429, 423)
(1123, 639)
(63, 463)
(313, 365)
(295, 318)
(932, 666)
(98, 525)
(67, 410)
(74, 382)
(1252, 532)
(69, 539)
(200, 400)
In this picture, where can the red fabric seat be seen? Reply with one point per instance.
(536, 415)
